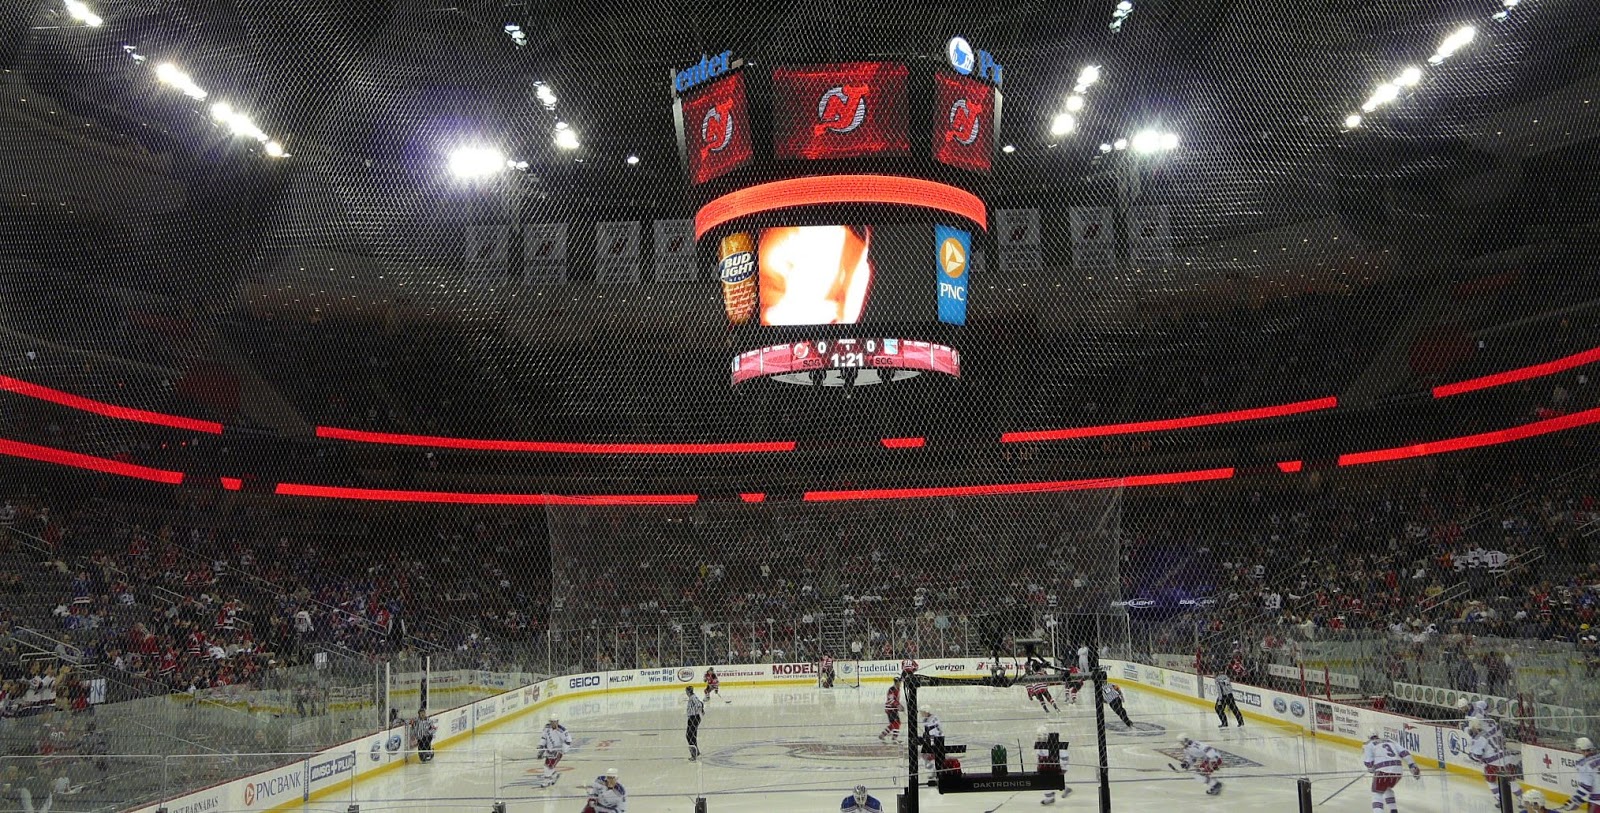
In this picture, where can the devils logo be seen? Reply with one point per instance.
(716, 129)
(965, 122)
(841, 109)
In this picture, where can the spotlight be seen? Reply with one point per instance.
(1120, 144)
(1453, 43)
(633, 160)
(77, 10)
(1409, 77)
(1386, 93)
(1352, 121)
(1063, 124)
(476, 162)
(1074, 103)
(546, 96)
(274, 149)
(1009, 148)
(170, 74)
(565, 137)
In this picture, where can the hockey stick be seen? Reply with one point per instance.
(1002, 804)
(1343, 789)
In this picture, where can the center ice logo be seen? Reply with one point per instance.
(1229, 759)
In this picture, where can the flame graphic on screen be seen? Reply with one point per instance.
(815, 275)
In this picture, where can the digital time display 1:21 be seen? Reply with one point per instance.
(844, 354)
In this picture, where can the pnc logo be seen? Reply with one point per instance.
(965, 123)
(953, 258)
(841, 109)
(716, 129)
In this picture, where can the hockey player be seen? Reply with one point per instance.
(1471, 710)
(553, 745)
(908, 667)
(860, 801)
(423, 730)
(932, 744)
(1586, 799)
(695, 710)
(1226, 701)
(1204, 761)
(1384, 760)
(1533, 802)
(1113, 698)
(1039, 689)
(714, 684)
(1073, 684)
(825, 671)
(1049, 761)
(1488, 748)
(891, 708)
(607, 795)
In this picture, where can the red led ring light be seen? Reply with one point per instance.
(826, 189)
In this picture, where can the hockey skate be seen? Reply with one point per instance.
(1214, 789)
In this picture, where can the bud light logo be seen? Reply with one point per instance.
(841, 109)
(1297, 708)
(716, 129)
(583, 681)
(1279, 706)
(964, 122)
(685, 675)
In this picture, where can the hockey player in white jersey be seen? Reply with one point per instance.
(607, 795)
(1471, 710)
(932, 744)
(1488, 748)
(1203, 760)
(1586, 799)
(1386, 760)
(1049, 762)
(553, 745)
(860, 801)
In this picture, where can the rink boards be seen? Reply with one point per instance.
(334, 769)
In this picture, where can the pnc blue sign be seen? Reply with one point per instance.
(967, 61)
(708, 68)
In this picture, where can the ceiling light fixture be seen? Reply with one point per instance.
(77, 10)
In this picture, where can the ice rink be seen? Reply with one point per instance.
(803, 748)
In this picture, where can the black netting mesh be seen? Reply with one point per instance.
(357, 357)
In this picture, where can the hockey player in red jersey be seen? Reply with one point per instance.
(1039, 689)
(891, 708)
(908, 667)
(714, 685)
(825, 671)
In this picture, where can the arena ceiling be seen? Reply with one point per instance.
(123, 197)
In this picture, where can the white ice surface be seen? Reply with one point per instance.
(787, 749)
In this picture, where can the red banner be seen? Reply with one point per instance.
(716, 130)
(964, 122)
(840, 111)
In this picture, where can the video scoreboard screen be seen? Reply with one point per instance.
(928, 118)
(839, 194)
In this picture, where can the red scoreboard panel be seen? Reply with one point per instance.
(843, 110)
(716, 124)
(964, 122)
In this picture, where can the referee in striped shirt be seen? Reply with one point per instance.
(696, 710)
(1225, 701)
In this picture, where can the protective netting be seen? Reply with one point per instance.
(775, 583)
(350, 345)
